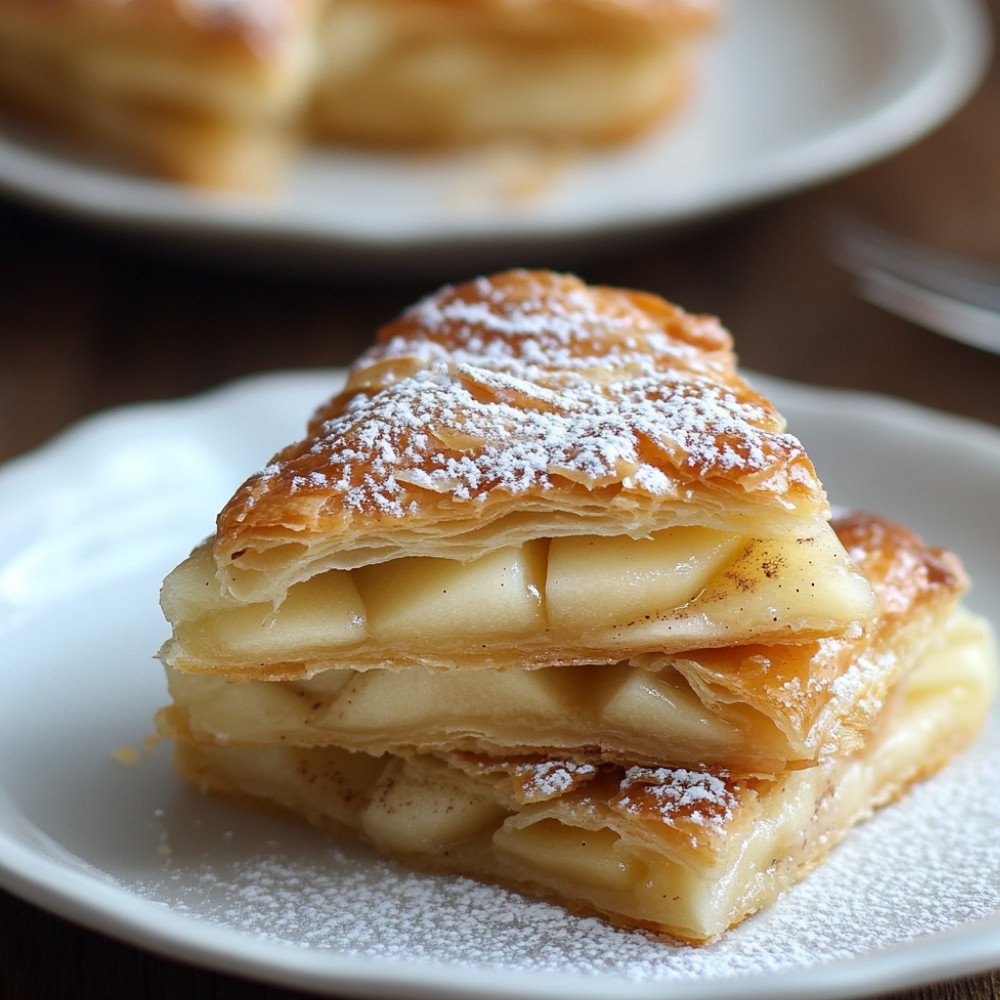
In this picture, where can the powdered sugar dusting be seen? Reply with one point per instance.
(479, 391)
(922, 866)
(541, 780)
(676, 794)
(412, 435)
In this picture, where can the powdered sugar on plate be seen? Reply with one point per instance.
(919, 867)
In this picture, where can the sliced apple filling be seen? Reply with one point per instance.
(756, 709)
(629, 713)
(429, 601)
(585, 599)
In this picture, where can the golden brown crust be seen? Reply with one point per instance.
(555, 74)
(911, 574)
(523, 405)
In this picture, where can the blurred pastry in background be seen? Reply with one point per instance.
(223, 93)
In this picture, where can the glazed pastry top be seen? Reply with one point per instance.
(519, 406)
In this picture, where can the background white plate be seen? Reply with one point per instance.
(91, 523)
(792, 92)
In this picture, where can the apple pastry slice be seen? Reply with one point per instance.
(687, 852)
(523, 471)
(218, 93)
(548, 596)
(755, 709)
(201, 91)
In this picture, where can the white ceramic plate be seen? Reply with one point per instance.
(91, 523)
(792, 92)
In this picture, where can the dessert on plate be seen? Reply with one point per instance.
(548, 595)
(220, 93)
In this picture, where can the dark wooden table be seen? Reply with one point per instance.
(88, 321)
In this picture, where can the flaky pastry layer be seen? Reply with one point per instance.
(685, 852)
(755, 709)
(550, 602)
(526, 405)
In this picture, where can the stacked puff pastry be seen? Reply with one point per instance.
(219, 93)
(547, 596)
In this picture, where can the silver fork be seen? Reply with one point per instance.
(950, 295)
